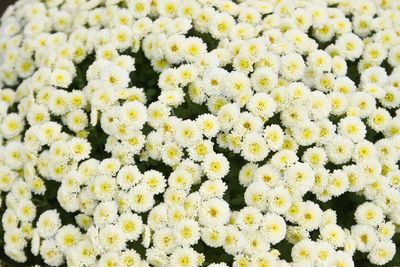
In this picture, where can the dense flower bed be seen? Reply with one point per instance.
(200, 133)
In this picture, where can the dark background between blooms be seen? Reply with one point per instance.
(4, 4)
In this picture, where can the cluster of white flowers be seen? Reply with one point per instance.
(305, 93)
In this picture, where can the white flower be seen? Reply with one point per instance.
(12, 125)
(279, 200)
(128, 176)
(262, 105)
(214, 212)
(213, 236)
(304, 252)
(105, 212)
(333, 234)
(187, 133)
(104, 187)
(382, 252)
(50, 253)
(48, 223)
(77, 120)
(25, 210)
(60, 78)
(248, 219)
(221, 24)
(140, 199)
(215, 166)
(80, 148)
(292, 66)
(187, 232)
(228, 116)
(386, 230)
(319, 60)
(208, 124)
(339, 150)
(324, 253)
(184, 256)
(67, 237)
(342, 258)
(134, 113)
(352, 128)
(154, 181)
(109, 258)
(112, 238)
(14, 238)
(200, 150)
(254, 147)
(350, 45)
(264, 79)
(310, 216)
(369, 213)
(213, 188)
(364, 236)
(273, 227)
(300, 177)
(379, 119)
(374, 75)
(256, 195)
(35, 243)
(171, 153)
(129, 257)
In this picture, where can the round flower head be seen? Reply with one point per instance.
(15, 239)
(105, 212)
(128, 176)
(369, 213)
(187, 232)
(263, 79)
(48, 223)
(50, 253)
(215, 166)
(350, 45)
(382, 253)
(333, 234)
(200, 150)
(311, 216)
(184, 257)
(25, 210)
(254, 147)
(214, 212)
(131, 225)
(339, 150)
(300, 177)
(256, 195)
(267, 175)
(304, 252)
(212, 188)
(111, 238)
(273, 227)
(262, 105)
(208, 124)
(364, 236)
(187, 133)
(67, 237)
(154, 181)
(140, 199)
(180, 179)
(292, 66)
(352, 128)
(279, 200)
